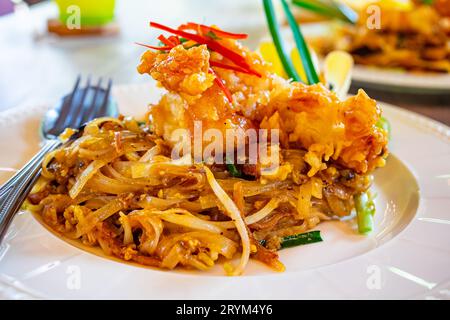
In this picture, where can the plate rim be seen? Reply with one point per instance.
(438, 129)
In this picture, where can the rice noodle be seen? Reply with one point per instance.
(98, 121)
(149, 202)
(148, 156)
(93, 154)
(185, 218)
(97, 216)
(252, 188)
(127, 232)
(102, 183)
(84, 177)
(145, 181)
(45, 162)
(150, 225)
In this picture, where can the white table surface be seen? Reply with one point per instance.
(39, 67)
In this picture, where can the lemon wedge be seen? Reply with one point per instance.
(402, 5)
(269, 53)
(338, 67)
(298, 65)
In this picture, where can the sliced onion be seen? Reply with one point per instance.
(257, 216)
(235, 215)
(127, 232)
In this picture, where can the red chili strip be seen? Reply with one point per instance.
(154, 47)
(234, 68)
(218, 32)
(219, 82)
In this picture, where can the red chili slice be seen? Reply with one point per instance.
(211, 44)
(166, 41)
(154, 47)
(219, 82)
(175, 40)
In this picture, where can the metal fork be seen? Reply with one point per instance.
(73, 112)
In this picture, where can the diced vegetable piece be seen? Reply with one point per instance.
(365, 210)
(233, 170)
(384, 124)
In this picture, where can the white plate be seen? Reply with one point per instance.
(407, 256)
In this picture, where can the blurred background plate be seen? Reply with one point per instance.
(400, 81)
(385, 79)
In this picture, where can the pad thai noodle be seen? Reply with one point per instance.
(118, 185)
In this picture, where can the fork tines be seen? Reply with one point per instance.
(83, 104)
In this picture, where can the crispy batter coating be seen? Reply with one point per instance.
(309, 117)
(312, 117)
(182, 71)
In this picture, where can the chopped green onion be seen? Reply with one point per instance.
(301, 239)
(298, 239)
(317, 7)
(276, 36)
(330, 9)
(212, 35)
(365, 210)
(311, 74)
(348, 14)
(384, 124)
(234, 171)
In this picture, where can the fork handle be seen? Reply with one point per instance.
(18, 187)
(36, 160)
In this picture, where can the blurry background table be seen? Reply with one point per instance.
(37, 67)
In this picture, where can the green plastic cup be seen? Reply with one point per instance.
(91, 12)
